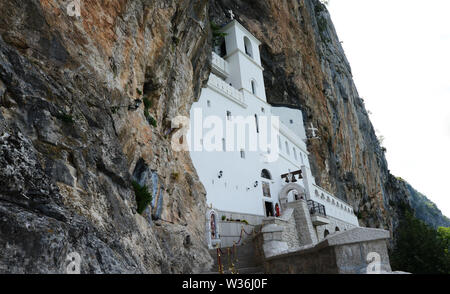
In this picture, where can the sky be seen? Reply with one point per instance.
(399, 51)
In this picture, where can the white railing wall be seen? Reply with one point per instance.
(335, 207)
(229, 91)
(220, 65)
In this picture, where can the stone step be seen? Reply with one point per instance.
(245, 255)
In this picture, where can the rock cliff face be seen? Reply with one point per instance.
(70, 145)
(73, 138)
(306, 68)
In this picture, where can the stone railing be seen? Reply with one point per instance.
(227, 90)
(220, 65)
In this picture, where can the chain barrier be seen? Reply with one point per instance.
(232, 254)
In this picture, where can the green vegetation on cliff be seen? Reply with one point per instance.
(421, 249)
(143, 197)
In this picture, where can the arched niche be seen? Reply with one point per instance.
(213, 229)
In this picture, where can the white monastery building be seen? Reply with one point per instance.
(251, 156)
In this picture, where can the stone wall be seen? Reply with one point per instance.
(230, 231)
(305, 229)
(331, 227)
(349, 252)
(287, 223)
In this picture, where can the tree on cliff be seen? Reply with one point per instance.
(421, 249)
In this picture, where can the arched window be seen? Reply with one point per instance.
(253, 87)
(326, 233)
(248, 47)
(337, 229)
(266, 174)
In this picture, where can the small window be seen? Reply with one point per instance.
(228, 115)
(253, 87)
(263, 110)
(224, 145)
(242, 154)
(291, 121)
(208, 103)
(257, 123)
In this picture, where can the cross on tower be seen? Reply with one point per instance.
(313, 131)
(231, 14)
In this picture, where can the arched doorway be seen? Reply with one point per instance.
(277, 210)
(292, 187)
(337, 229)
(326, 233)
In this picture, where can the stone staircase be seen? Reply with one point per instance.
(246, 260)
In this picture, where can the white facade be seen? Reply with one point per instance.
(232, 173)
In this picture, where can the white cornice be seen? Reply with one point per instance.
(284, 130)
(237, 50)
(259, 98)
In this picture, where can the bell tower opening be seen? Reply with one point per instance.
(248, 47)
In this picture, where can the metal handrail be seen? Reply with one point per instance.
(316, 208)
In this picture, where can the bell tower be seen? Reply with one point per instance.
(243, 56)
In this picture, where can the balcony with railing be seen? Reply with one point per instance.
(316, 208)
(220, 66)
(318, 213)
(225, 89)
